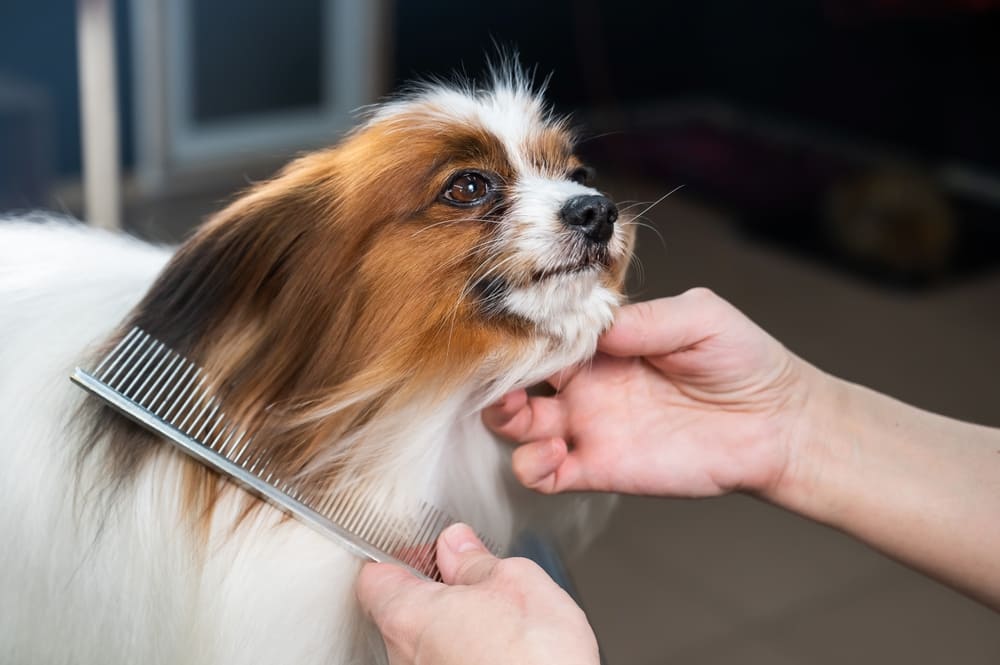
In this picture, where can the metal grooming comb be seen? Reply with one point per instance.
(171, 396)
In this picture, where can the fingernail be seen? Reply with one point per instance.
(461, 538)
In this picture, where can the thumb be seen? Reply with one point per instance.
(662, 326)
(461, 556)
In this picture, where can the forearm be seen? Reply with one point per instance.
(920, 487)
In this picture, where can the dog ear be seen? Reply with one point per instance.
(233, 266)
(269, 299)
(251, 297)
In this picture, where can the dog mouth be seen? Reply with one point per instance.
(566, 269)
(593, 260)
(492, 289)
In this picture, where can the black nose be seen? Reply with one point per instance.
(591, 214)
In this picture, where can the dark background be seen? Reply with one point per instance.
(855, 114)
(919, 75)
(839, 165)
(923, 79)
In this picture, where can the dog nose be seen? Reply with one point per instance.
(593, 215)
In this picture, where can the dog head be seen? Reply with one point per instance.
(452, 242)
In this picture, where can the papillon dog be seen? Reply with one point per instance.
(361, 307)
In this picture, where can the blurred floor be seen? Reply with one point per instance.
(736, 580)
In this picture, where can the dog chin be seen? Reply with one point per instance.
(573, 308)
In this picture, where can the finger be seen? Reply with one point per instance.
(658, 327)
(548, 467)
(535, 463)
(381, 586)
(537, 418)
(500, 413)
(461, 556)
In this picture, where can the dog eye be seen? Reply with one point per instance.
(583, 175)
(467, 189)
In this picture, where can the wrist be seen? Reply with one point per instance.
(819, 411)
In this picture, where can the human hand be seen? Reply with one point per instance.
(685, 397)
(489, 611)
(688, 397)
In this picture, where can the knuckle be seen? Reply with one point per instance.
(394, 621)
(523, 469)
(645, 313)
(644, 309)
(507, 432)
(701, 294)
(517, 568)
(519, 423)
(707, 300)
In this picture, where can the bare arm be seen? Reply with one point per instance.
(922, 488)
(696, 400)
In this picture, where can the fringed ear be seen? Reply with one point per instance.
(248, 299)
(234, 268)
(302, 340)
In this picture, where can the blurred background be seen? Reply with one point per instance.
(835, 169)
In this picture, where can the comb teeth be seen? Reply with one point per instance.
(170, 395)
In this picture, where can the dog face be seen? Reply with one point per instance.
(527, 237)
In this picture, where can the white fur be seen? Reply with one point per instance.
(509, 109)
